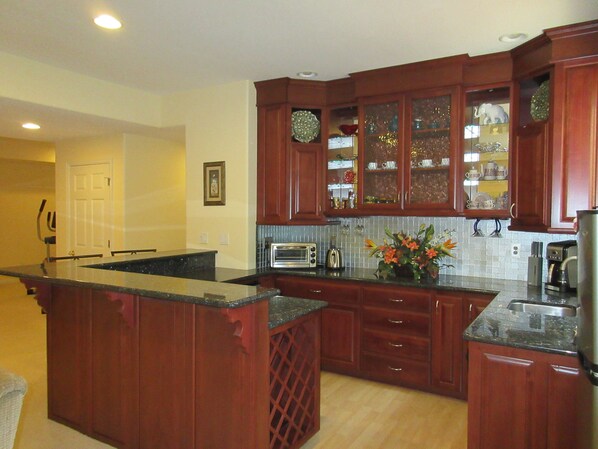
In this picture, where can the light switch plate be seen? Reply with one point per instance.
(224, 239)
(203, 237)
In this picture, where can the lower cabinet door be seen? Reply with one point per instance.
(505, 404)
(521, 399)
(340, 338)
(447, 343)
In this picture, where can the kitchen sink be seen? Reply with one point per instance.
(521, 305)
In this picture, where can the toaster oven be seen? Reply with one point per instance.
(293, 255)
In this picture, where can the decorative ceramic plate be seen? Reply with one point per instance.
(540, 104)
(305, 126)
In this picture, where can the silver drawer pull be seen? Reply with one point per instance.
(390, 320)
(394, 369)
(395, 345)
(395, 300)
(315, 291)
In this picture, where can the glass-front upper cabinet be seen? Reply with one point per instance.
(486, 152)
(429, 152)
(342, 164)
(381, 161)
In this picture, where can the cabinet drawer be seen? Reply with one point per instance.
(387, 343)
(397, 321)
(402, 298)
(343, 292)
(396, 370)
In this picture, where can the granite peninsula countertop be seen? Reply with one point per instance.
(85, 273)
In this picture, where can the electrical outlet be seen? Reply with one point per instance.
(515, 249)
(224, 239)
(203, 237)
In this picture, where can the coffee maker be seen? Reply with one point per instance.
(562, 266)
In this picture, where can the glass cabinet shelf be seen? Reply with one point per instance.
(486, 151)
(342, 155)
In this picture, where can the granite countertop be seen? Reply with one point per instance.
(80, 273)
(284, 309)
(495, 325)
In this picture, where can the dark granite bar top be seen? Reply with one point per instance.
(284, 309)
(496, 324)
(81, 273)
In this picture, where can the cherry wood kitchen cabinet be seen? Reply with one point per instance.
(140, 372)
(575, 146)
(396, 335)
(520, 399)
(408, 161)
(556, 74)
(447, 342)
(453, 313)
(531, 185)
(290, 176)
(341, 327)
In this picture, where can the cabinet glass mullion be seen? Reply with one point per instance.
(380, 153)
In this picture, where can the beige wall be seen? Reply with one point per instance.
(220, 125)
(154, 203)
(23, 185)
(26, 80)
(26, 150)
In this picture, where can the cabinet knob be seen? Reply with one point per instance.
(511, 210)
(392, 368)
(390, 320)
(395, 345)
(395, 300)
(315, 291)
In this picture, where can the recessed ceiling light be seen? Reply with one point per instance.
(307, 74)
(513, 37)
(107, 21)
(31, 126)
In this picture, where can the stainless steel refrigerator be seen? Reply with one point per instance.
(587, 331)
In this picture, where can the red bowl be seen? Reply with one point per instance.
(348, 130)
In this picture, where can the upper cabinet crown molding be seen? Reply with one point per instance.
(554, 45)
(292, 91)
(435, 73)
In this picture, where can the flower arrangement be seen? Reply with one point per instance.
(420, 254)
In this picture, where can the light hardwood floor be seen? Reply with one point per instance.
(356, 414)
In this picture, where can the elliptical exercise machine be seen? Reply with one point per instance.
(51, 224)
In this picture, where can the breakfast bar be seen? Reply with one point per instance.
(142, 360)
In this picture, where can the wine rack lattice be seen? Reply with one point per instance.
(294, 386)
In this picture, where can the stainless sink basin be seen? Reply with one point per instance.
(521, 305)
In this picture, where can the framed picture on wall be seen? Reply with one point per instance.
(214, 184)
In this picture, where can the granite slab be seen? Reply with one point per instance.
(81, 273)
(284, 309)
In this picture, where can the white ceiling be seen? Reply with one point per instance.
(176, 45)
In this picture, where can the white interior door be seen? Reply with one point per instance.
(90, 209)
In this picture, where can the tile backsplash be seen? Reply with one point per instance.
(474, 256)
